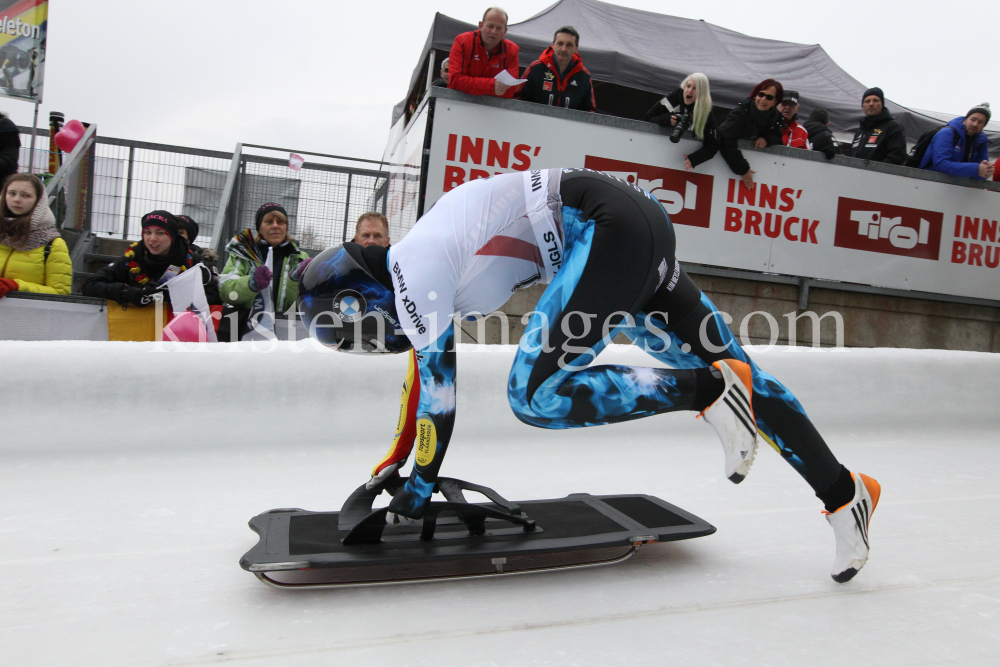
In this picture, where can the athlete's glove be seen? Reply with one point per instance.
(260, 278)
(7, 285)
(384, 474)
(296, 274)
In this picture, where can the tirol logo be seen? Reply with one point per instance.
(686, 196)
(349, 306)
(893, 230)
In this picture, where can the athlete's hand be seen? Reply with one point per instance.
(747, 179)
(384, 474)
(296, 274)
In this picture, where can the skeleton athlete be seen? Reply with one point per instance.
(605, 248)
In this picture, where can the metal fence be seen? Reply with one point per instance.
(127, 179)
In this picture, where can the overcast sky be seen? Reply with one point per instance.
(324, 75)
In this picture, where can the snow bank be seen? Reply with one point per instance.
(69, 395)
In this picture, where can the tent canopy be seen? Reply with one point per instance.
(651, 52)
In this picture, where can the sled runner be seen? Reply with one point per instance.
(456, 538)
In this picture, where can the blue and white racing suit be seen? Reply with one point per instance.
(606, 250)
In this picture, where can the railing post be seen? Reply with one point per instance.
(128, 191)
(347, 208)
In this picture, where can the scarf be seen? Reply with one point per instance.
(144, 266)
(43, 230)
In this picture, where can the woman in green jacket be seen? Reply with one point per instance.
(260, 290)
(33, 257)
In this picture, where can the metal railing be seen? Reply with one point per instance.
(323, 200)
(125, 179)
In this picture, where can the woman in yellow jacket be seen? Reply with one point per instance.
(33, 257)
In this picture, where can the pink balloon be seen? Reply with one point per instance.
(185, 328)
(68, 137)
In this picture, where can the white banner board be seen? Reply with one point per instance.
(804, 218)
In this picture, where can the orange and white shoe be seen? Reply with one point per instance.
(850, 525)
(731, 415)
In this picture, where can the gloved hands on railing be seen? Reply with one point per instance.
(7, 285)
(260, 278)
(296, 274)
(141, 296)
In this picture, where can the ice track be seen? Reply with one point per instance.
(129, 472)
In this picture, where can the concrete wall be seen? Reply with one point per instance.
(869, 320)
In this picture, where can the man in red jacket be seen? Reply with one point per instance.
(795, 135)
(477, 57)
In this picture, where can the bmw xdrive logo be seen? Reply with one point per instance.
(349, 306)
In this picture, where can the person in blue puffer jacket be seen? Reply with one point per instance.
(961, 148)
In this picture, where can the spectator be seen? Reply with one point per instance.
(558, 78)
(478, 56)
(820, 135)
(756, 119)
(207, 256)
(242, 282)
(961, 148)
(879, 138)
(794, 135)
(442, 81)
(10, 147)
(372, 229)
(693, 102)
(137, 276)
(33, 256)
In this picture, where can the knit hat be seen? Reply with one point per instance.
(873, 91)
(188, 225)
(983, 108)
(264, 210)
(165, 221)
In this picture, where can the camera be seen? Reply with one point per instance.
(683, 123)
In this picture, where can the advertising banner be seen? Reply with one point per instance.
(23, 28)
(803, 218)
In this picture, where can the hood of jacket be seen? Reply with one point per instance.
(814, 127)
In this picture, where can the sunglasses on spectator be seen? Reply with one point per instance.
(765, 96)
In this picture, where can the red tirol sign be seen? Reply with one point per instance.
(686, 196)
(893, 230)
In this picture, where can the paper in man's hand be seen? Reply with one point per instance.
(506, 79)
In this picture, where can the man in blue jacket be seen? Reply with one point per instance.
(961, 148)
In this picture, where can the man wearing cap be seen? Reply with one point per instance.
(880, 138)
(961, 148)
(479, 55)
(257, 290)
(794, 135)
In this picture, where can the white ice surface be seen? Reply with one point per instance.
(129, 472)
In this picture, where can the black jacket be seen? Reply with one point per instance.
(742, 124)
(10, 148)
(880, 139)
(821, 138)
(545, 85)
(110, 282)
(661, 115)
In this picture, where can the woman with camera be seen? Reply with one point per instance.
(756, 119)
(689, 107)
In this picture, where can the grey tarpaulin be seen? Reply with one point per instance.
(654, 52)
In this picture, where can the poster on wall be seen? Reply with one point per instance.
(23, 29)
